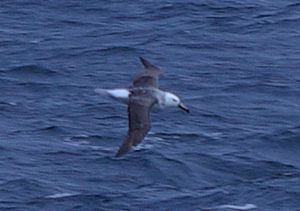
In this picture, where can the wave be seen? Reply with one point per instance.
(31, 69)
(119, 49)
(61, 195)
(279, 149)
(94, 142)
(237, 207)
(31, 75)
(52, 129)
(21, 185)
(165, 135)
(293, 6)
(4, 103)
(142, 146)
(81, 137)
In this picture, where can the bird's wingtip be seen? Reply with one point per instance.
(147, 64)
(100, 91)
(120, 153)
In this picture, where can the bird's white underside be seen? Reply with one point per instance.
(163, 98)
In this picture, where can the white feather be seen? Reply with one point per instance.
(118, 94)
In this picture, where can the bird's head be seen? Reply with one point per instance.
(173, 100)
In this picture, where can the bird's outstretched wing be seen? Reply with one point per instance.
(148, 77)
(139, 106)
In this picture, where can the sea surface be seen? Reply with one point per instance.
(234, 63)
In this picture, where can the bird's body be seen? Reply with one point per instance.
(140, 98)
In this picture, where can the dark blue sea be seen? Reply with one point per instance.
(234, 63)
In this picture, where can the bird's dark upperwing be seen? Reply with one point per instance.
(139, 106)
(148, 77)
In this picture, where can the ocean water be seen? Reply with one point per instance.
(235, 63)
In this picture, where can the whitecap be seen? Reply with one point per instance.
(60, 195)
(77, 143)
(213, 135)
(107, 149)
(81, 136)
(236, 207)
(153, 138)
(142, 146)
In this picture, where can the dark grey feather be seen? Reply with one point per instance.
(139, 106)
(148, 77)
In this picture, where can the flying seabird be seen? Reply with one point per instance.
(140, 98)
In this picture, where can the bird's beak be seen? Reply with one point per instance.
(183, 107)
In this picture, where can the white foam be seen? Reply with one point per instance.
(236, 207)
(81, 136)
(153, 138)
(214, 135)
(102, 148)
(12, 103)
(60, 195)
(142, 146)
(76, 143)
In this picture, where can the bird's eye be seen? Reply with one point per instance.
(174, 100)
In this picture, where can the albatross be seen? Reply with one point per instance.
(140, 99)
